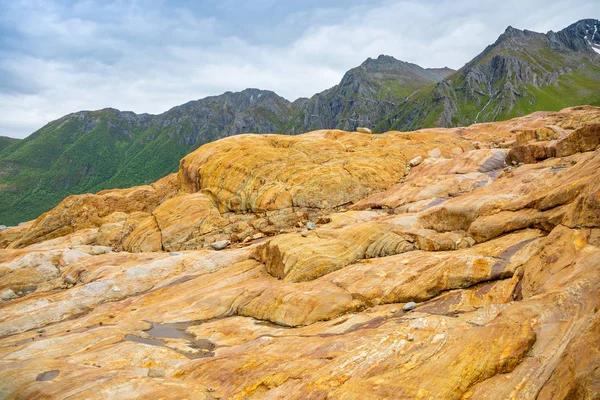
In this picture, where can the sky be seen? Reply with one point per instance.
(63, 56)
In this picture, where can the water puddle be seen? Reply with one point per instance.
(168, 331)
(177, 331)
(151, 342)
(47, 376)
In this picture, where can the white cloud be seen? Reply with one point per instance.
(142, 58)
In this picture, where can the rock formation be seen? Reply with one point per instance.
(345, 269)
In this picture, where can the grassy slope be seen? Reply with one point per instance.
(62, 159)
(6, 142)
(570, 90)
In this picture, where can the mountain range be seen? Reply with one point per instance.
(88, 151)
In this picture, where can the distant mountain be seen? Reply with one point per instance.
(88, 151)
(93, 150)
(366, 95)
(521, 72)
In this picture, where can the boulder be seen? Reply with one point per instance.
(220, 245)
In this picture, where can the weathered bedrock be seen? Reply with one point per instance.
(323, 239)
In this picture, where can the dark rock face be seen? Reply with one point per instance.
(579, 36)
(367, 94)
(251, 110)
(509, 78)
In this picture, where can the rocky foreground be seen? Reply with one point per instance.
(437, 264)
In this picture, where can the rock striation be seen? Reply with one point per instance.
(325, 265)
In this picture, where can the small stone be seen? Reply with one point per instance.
(410, 337)
(209, 389)
(3, 227)
(310, 226)
(304, 234)
(98, 250)
(363, 130)
(41, 330)
(411, 305)
(324, 220)
(415, 161)
(514, 162)
(394, 310)
(220, 245)
(257, 236)
(8, 294)
(69, 280)
(175, 253)
(156, 373)
(20, 293)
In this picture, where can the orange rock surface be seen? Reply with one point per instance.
(323, 238)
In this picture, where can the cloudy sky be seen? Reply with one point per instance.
(61, 56)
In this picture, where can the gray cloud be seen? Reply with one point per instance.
(62, 56)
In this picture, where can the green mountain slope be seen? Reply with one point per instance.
(521, 72)
(93, 150)
(6, 142)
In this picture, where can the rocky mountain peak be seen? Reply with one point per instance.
(516, 38)
(583, 35)
(385, 63)
(510, 31)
